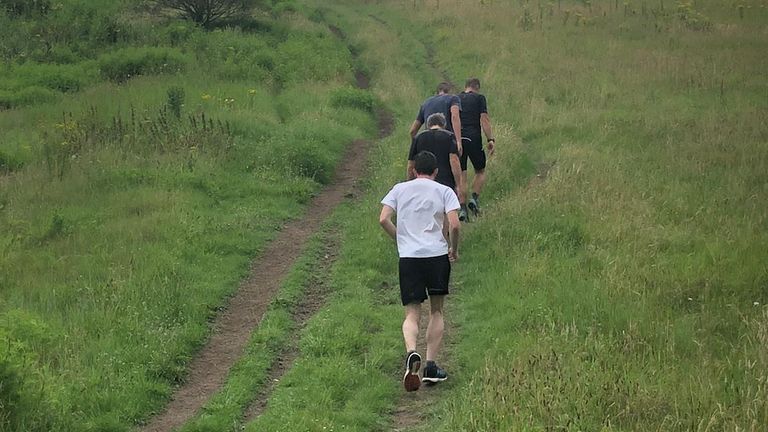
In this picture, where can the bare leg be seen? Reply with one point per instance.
(411, 326)
(479, 181)
(435, 327)
(463, 188)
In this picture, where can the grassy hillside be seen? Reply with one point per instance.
(621, 289)
(624, 287)
(134, 194)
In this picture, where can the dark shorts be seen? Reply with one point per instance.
(473, 150)
(420, 277)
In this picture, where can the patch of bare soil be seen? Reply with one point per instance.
(232, 329)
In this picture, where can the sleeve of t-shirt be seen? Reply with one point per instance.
(391, 198)
(453, 147)
(412, 151)
(420, 115)
(450, 199)
(483, 105)
(455, 101)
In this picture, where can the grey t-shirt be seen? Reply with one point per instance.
(439, 104)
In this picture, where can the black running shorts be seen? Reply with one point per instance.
(472, 149)
(422, 276)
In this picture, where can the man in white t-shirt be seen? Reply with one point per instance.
(422, 205)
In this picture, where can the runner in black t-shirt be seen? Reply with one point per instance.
(441, 143)
(474, 120)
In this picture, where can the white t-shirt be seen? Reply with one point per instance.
(421, 205)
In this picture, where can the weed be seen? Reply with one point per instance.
(175, 100)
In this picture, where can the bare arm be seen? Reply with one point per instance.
(411, 170)
(385, 220)
(456, 123)
(456, 170)
(415, 128)
(454, 227)
(485, 123)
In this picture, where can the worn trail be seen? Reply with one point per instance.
(244, 311)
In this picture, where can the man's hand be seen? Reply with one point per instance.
(453, 256)
(491, 147)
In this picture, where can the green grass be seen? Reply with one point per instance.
(626, 291)
(124, 228)
(588, 298)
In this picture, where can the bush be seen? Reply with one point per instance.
(122, 64)
(207, 13)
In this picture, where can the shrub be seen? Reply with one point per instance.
(207, 13)
(175, 100)
(124, 63)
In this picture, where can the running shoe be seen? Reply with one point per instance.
(474, 206)
(412, 365)
(433, 373)
(463, 216)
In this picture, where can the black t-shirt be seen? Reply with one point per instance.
(472, 105)
(441, 143)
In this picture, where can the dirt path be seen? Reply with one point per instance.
(315, 293)
(233, 327)
(316, 289)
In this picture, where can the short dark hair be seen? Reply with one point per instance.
(444, 87)
(473, 83)
(436, 119)
(425, 163)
